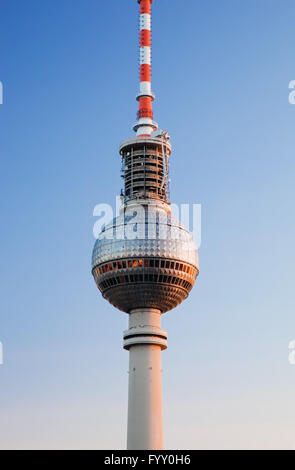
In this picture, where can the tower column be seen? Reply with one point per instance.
(145, 341)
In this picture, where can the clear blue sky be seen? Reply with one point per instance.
(221, 70)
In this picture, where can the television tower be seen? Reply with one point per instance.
(145, 261)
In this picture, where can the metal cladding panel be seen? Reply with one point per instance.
(132, 296)
(170, 240)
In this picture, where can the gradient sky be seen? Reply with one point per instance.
(221, 70)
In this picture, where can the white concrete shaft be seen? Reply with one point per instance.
(145, 427)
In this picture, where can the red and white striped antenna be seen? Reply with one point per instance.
(145, 124)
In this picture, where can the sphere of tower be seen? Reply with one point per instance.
(145, 258)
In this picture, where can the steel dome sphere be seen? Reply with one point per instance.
(145, 260)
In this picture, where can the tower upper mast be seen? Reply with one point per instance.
(145, 124)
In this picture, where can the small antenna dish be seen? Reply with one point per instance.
(161, 134)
